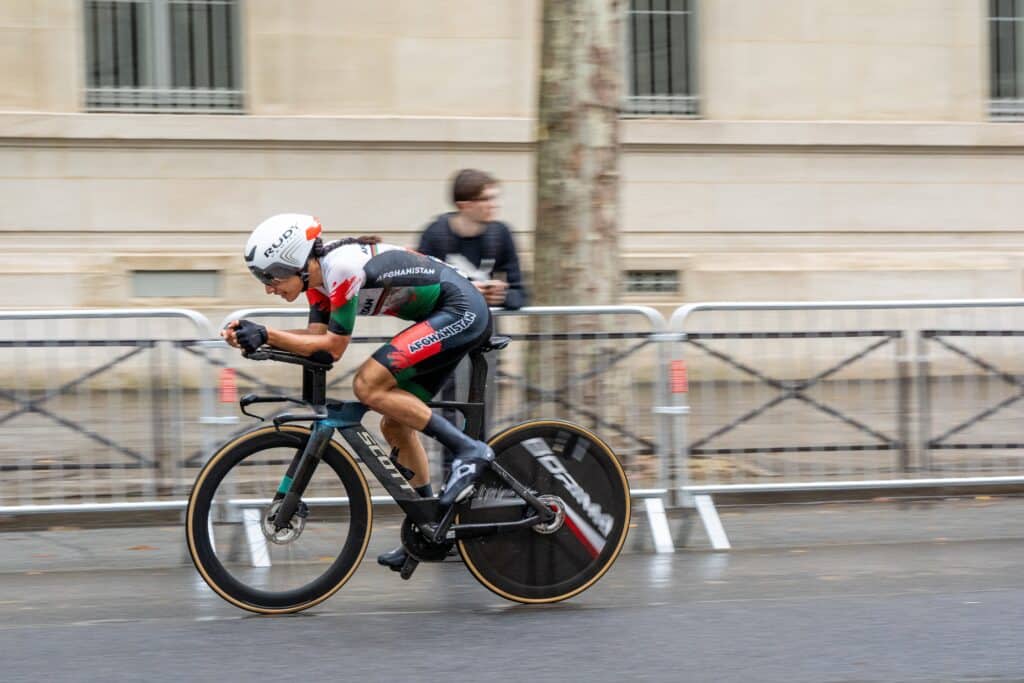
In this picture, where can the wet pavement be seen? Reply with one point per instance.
(907, 591)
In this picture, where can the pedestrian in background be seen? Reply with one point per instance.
(481, 247)
(474, 242)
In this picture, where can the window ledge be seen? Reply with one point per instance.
(381, 129)
(681, 132)
(664, 133)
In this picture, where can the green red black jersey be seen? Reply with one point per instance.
(375, 279)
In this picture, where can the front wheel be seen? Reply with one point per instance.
(232, 538)
(577, 474)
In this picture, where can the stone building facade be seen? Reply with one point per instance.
(837, 150)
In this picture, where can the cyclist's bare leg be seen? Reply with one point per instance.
(376, 387)
(410, 451)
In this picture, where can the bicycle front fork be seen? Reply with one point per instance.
(299, 472)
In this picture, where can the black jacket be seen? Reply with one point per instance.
(492, 254)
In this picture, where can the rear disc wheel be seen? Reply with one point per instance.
(579, 477)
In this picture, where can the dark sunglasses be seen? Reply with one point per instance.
(272, 275)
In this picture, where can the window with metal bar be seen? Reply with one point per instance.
(652, 281)
(162, 55)
(1006, 56)
(661, 73)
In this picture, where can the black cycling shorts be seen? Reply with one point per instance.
(422, 356)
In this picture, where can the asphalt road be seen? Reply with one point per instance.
(903, 611)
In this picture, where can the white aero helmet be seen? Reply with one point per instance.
(279, 247)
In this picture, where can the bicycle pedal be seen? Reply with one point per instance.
(409, 567)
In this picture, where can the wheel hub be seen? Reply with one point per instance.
(558, 506)
(291, 532)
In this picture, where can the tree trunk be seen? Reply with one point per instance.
(576, 255)
(576, 242)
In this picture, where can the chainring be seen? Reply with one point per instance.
(423, 549)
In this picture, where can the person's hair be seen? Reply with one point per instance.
(320, 249)
(469, 184)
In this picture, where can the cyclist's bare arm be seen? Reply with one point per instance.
(305, 342)
(314, 328)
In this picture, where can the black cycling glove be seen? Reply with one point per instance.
(250, 335)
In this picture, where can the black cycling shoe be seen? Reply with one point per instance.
(393, 559)
(467, 469)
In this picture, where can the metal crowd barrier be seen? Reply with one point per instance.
(123, 406)
(105, 410)
(788, 397)
(87, 404)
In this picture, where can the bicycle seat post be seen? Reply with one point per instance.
(478, 367)
(314, 386)
(477, 377)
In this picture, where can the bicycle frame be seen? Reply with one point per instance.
(346, 418)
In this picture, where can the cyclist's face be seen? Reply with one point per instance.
(288, 289)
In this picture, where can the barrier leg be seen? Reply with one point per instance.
(712, 524)
(658, 521)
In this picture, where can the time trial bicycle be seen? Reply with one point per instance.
(548, 520)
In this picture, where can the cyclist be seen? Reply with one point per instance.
(362, 276)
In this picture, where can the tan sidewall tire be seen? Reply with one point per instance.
(190, 512)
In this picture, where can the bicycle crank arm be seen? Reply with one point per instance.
(441, 530)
